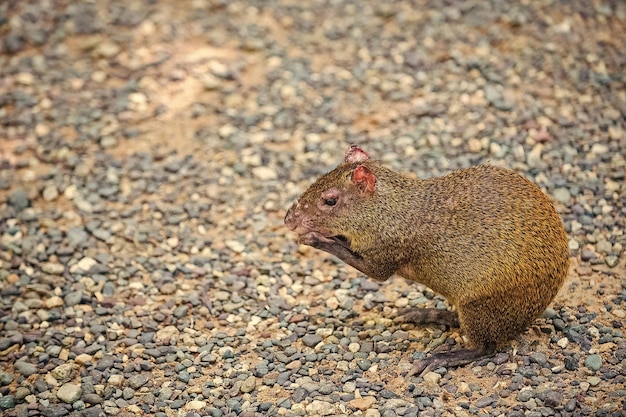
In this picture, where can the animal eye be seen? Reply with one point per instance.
(330, 201)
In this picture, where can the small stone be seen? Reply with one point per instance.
(573, 244)
(362, 403)
(587, 255)
(68, 393)
(137, 381)
(5, 378)
(64, 372)
(248, 384)
(196, 405)
(432, 378)
(593, 381)
(562, 342)
(593, 362)
(116, 380)
(539, 358)
(235, 246)
(107, 49)
(53, 302)
(7, 402)
(320, 408)
(210, 82)
(167, 333)
(52, 268)
(311, 340)
(474, 145)
(21, 393)
(562, 195)
(92, 399)
(220, 69)
(484, 402)
(264, 173)
(552, 398)
(620, 314)
(25, 368)
(603, 246)
(86, 263)
(25, 78)
(50, 192)
(19, 199)
(354, 347)
(72, 298)
(599, 148)
(332, 303)
(611, 261)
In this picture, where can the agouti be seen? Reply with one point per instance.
(484, 237)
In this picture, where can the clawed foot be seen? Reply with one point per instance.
(428, 316)
(449, 359)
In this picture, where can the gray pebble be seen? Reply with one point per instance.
(562, 195)
(166, 393)
(539, 358)
(593, 362)
(54, 410)
(69, 392)
(92, 399)
(73, 298)
(181, 311)
(312, 340)
(21, 393)
(5, 378)
(19, 199)
(25, 368)
(611, 261)
(7, 402)
(137, 381)
(484, 402)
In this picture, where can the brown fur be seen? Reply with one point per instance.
(484, 237)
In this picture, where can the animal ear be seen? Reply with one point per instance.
(364, 179)
(355, 154)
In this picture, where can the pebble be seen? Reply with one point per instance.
(312, 340)
(5, 378)
(50, 193)
(432, 378)
(25, 368)
(248, 384)
(235, 245)
(137, 381)
(69, 393)
(562, 195)
(53, 302)
(321, 408)
(593, 362)
(86, 263)
(363, 403)
(7, 402)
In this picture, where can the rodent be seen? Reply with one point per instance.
(485, 237)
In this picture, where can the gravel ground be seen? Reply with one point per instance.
(149, 150)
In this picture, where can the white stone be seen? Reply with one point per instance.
(86, 263)
(69, 393)
(235, 245)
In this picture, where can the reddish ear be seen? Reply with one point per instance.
(355, 154)
(364, 179)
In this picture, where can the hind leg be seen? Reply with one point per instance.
(485, 321)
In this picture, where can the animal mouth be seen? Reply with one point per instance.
(312, 237)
